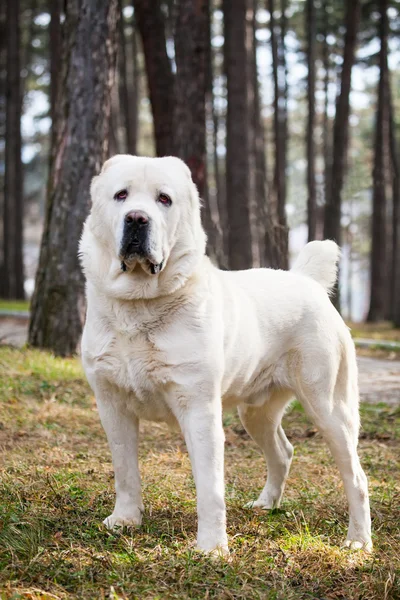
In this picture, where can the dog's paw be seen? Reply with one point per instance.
(218, 552)
(358, 545)
(115, 523)
(263, 503)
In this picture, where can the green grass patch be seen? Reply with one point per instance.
(14, 305)
(56, 487)
(375, 331)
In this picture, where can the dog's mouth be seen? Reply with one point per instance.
(148, 265)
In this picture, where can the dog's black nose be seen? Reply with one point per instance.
(137, 217)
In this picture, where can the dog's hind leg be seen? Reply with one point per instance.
(334, 410)
(263, 424)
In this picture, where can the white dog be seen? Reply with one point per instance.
(169, 337)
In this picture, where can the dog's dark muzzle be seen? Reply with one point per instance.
(135, 237)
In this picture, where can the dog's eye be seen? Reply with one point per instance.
(164, 199)
(121, 195)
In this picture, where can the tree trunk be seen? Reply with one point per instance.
(395, 292)
(341, 125)
(259, 152)
(333, 206)
(379, 251)
(13, 275)
(151, 24)
(237, 143)
(191, 38)
(280, 134)
(3, 69)
(88, 59)
(55, 49)
(310, 142)
(134, 91)
(325, 125)
(126, 93)
(253, 108)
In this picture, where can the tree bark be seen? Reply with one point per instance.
(280, 134)
(310, 142)
(333, 205)
(13, 274)
(160, 79)
(395, 292)
(259, 152)
(325, 125)
(134, 94)
(191, 37)
(379, 251)
(55, 49)
(3, 69)
(89, 59)
(237, 143)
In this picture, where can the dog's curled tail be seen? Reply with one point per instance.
(319, 260)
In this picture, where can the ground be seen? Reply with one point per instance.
(56, 487)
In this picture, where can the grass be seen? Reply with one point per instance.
(56, 486)
(14, 305)
(375, 331)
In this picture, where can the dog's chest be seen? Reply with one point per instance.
(136, 363)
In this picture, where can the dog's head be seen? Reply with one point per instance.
(145, 222)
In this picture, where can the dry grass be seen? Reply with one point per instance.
(375, 331)
(57, 486)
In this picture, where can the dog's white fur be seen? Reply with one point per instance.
(179, 345)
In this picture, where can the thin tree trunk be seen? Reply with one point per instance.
(333, 206)
(89, 57)
(259, 152)
(55, 49)
(222, 251)
(3, 70)
(160, 79)
(280, 135)
(211, 216)
(395, 292)
(379, 251)
(134, 92)
(13, 275)
(237, 143)
(325, 126)
(311, 57)
(253, 109)
(191, 37)
(126, 98)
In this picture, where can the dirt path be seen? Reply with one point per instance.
(379, 379)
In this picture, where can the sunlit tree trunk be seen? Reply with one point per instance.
(83, 114)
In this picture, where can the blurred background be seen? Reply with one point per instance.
(286, 111)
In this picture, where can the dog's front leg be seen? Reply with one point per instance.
(122, 430)
(201, 423)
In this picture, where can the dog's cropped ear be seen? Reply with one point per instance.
(94, 186)
(112, 161)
